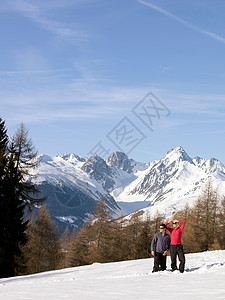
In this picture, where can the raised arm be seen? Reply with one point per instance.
(182, 224)
(169, 228)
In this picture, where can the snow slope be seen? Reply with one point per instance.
(74, 185)
(203, 279)
(174, 181)
(71, 193)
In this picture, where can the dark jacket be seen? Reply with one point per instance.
(160, 242)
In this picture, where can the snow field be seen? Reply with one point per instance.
(203, 279)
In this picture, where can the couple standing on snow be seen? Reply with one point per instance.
(161, 244)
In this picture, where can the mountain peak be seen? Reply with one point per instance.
(120, 160)
(178, 153)
(178, 149)
(43, 158)
(72, 157)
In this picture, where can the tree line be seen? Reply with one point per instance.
(30, 245)
(102, 239)
(205, 222)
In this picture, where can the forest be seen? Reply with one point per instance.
(103, 239)
(31, 244)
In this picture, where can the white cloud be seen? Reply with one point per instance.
(29, 59)
(29, 72)
(47, 95)
(185, 23)
(86, 99)
(37, 12)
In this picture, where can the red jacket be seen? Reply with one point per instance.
(176, 233)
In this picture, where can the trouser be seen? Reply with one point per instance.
(159, 260)
(177, 250)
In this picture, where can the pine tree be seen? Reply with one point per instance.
(25, 160)
(12, 225)
(16, 192)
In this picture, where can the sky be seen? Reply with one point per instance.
(137, 76)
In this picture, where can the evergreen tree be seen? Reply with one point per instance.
(16, 160)
(25, 160)
(12, 225)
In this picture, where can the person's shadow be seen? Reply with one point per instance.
(207, 267)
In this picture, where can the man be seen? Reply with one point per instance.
(176, 247)
(159, 248)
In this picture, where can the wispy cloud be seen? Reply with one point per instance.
(89, 95)
(29, 72)
(194, 104)
(88, 99)
(185, 23)
(83, 99)
(37, 12)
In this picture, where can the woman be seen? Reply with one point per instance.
(176, 247)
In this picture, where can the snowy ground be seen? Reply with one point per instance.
(204, 278)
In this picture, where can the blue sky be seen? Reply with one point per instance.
(76, 71)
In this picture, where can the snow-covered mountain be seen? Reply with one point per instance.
(172, 182)
(74, 185)
(71, 189)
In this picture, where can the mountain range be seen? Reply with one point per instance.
(74, 185)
